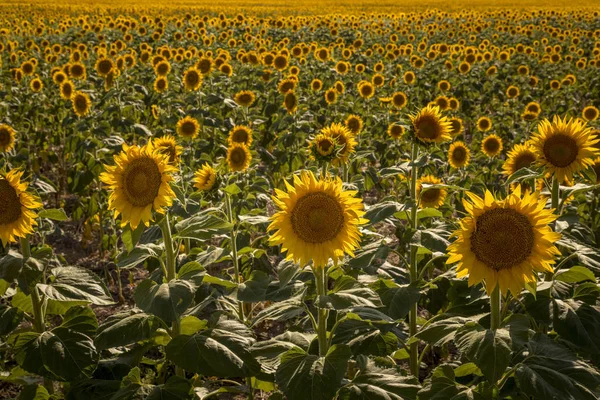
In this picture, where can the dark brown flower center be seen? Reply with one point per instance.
(317, 218)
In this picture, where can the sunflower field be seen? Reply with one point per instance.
(307, 201)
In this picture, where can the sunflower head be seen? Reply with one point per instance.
(366, 90)
(188, 127)
(317, 220)
(7, 138)
(17, 208)
(430, 126)
(344, 140)
(484, 124)
(590, 113)
(290, 102)
(521, 156)
(168, 146)
(354, 123)
(238, 157)
(81, 103)
(36, 85)
(240, 134)
(331, 96)
(491, 145)
(395, 131)
(67, 88)
(430, 197)
(192, 79)
(504, 242)
(245, 98)
(456, 126)
(399, 100)
(564, 147)
(459, 155)
(104, 66)
(205, 178)
(139, 183)
(324, 148)
(161, 84)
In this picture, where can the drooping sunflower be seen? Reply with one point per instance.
(504, 242)
(139, 184)
(354, 123)
(240, 134)
(7, 138)
(188, 127)
(81, 103)
(17, 208)
(245, 98)
(459, 155)
(343, 138)
(430, 126)
(238, 157)
(590, 113)
(168, 146)
(317, 220)
(192, 79)
(430, 197)
(484, 124)
(521, 156)
(564, 147)
(205, 178)
(491, 145)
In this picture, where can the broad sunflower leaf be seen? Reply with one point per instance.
(126, 328)
(76, 284)
(166, 300)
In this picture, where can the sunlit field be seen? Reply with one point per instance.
(360, 200)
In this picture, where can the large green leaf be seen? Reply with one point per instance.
(380, 386)
(10, 266)
(578, 323)
(489, 350)
(138, 255)
(97, 389)
(10, 318)
(34, 392)
(365, 337)
(302, 376)
(399, 300)
(268, 352)
(126, 328)
(76, 284)
(550, 371)
(81, 319)
(348, 298)
(442, 330)
(202, 227)
(166, 300)
(59, 354)
(442, 386)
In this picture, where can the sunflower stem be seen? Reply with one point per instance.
(555, 194)
(320, 279)
(412, 317)
(324, 170)
(234, 255)
(165, 227)
(495, 308)
(37, 304)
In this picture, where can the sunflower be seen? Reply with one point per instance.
(192, 79)
(36, 85)
(188, 127)
(430, 197)
(456, 126)
(484, 124)
(430, 126)
(245, 98)
(395, 131)
(161, 84)
(533, 107)
(316, 85)
(564, 147)
(205, 178)
(504, 242)
(354, 123)
(290, 102)
(162, 68)
(491, 145)
(521, 156)
(512, 92)
(81, 103)
(66, 90)
(238, 157)
(240, 134)
(104, 66)
(168, 146)
(139, 183)
(7, 138)
(343, 138)
(366, 90)
(317, 220)
(442, 102)
(17, 207)
(399, 100)
(323, 148)
(459, 155)
(331, 96)
(590, 113)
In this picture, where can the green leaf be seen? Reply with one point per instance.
(232, 189)
(126, 328)
(442, 330)
(76, 284)
(166, 300)
(193, 272)
(34, 392)
(61, 354)
(138, 255)
(366, 337)
(141, 129)
(302, 376)
(380, 386)
(268, 352)
(254, 219)
(381, 211)
(489, 350)
(222, 351)
(255, 288)
(550, 371)
(10, 266)
(524, 174)
(218, 281)
(280, 311)
(422, 213)
(575, 274)
(10, 318)
(131, 238)
(587, 255)
(202, 227)
(190, 325)
(371, 255)
(97, 389)
(81, 319)
(355, 297)
(578, 323)
(56, 214)
(399, 300)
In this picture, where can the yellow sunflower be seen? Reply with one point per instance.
(433, 197)
(590, 113)
(344, 139)
(354, 123)
(317, 220)
(459, 155)
(456, 126)
(192, 79)
(491, 145)
(395, 131)
(564, 147)
(331, 96)
(168, 146)
(290, 102)
(245, 98)
(399, 100)
(7, 138)
(521, 156)
(138, 184)
(205, 178)
(430, 126)
(484, 124)
(17, 208)
(81, 103)
(366, 90)
(188, 127)
(67, 88)
(161, 84)
(504, 242)
(240, 134)
(238, 157)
